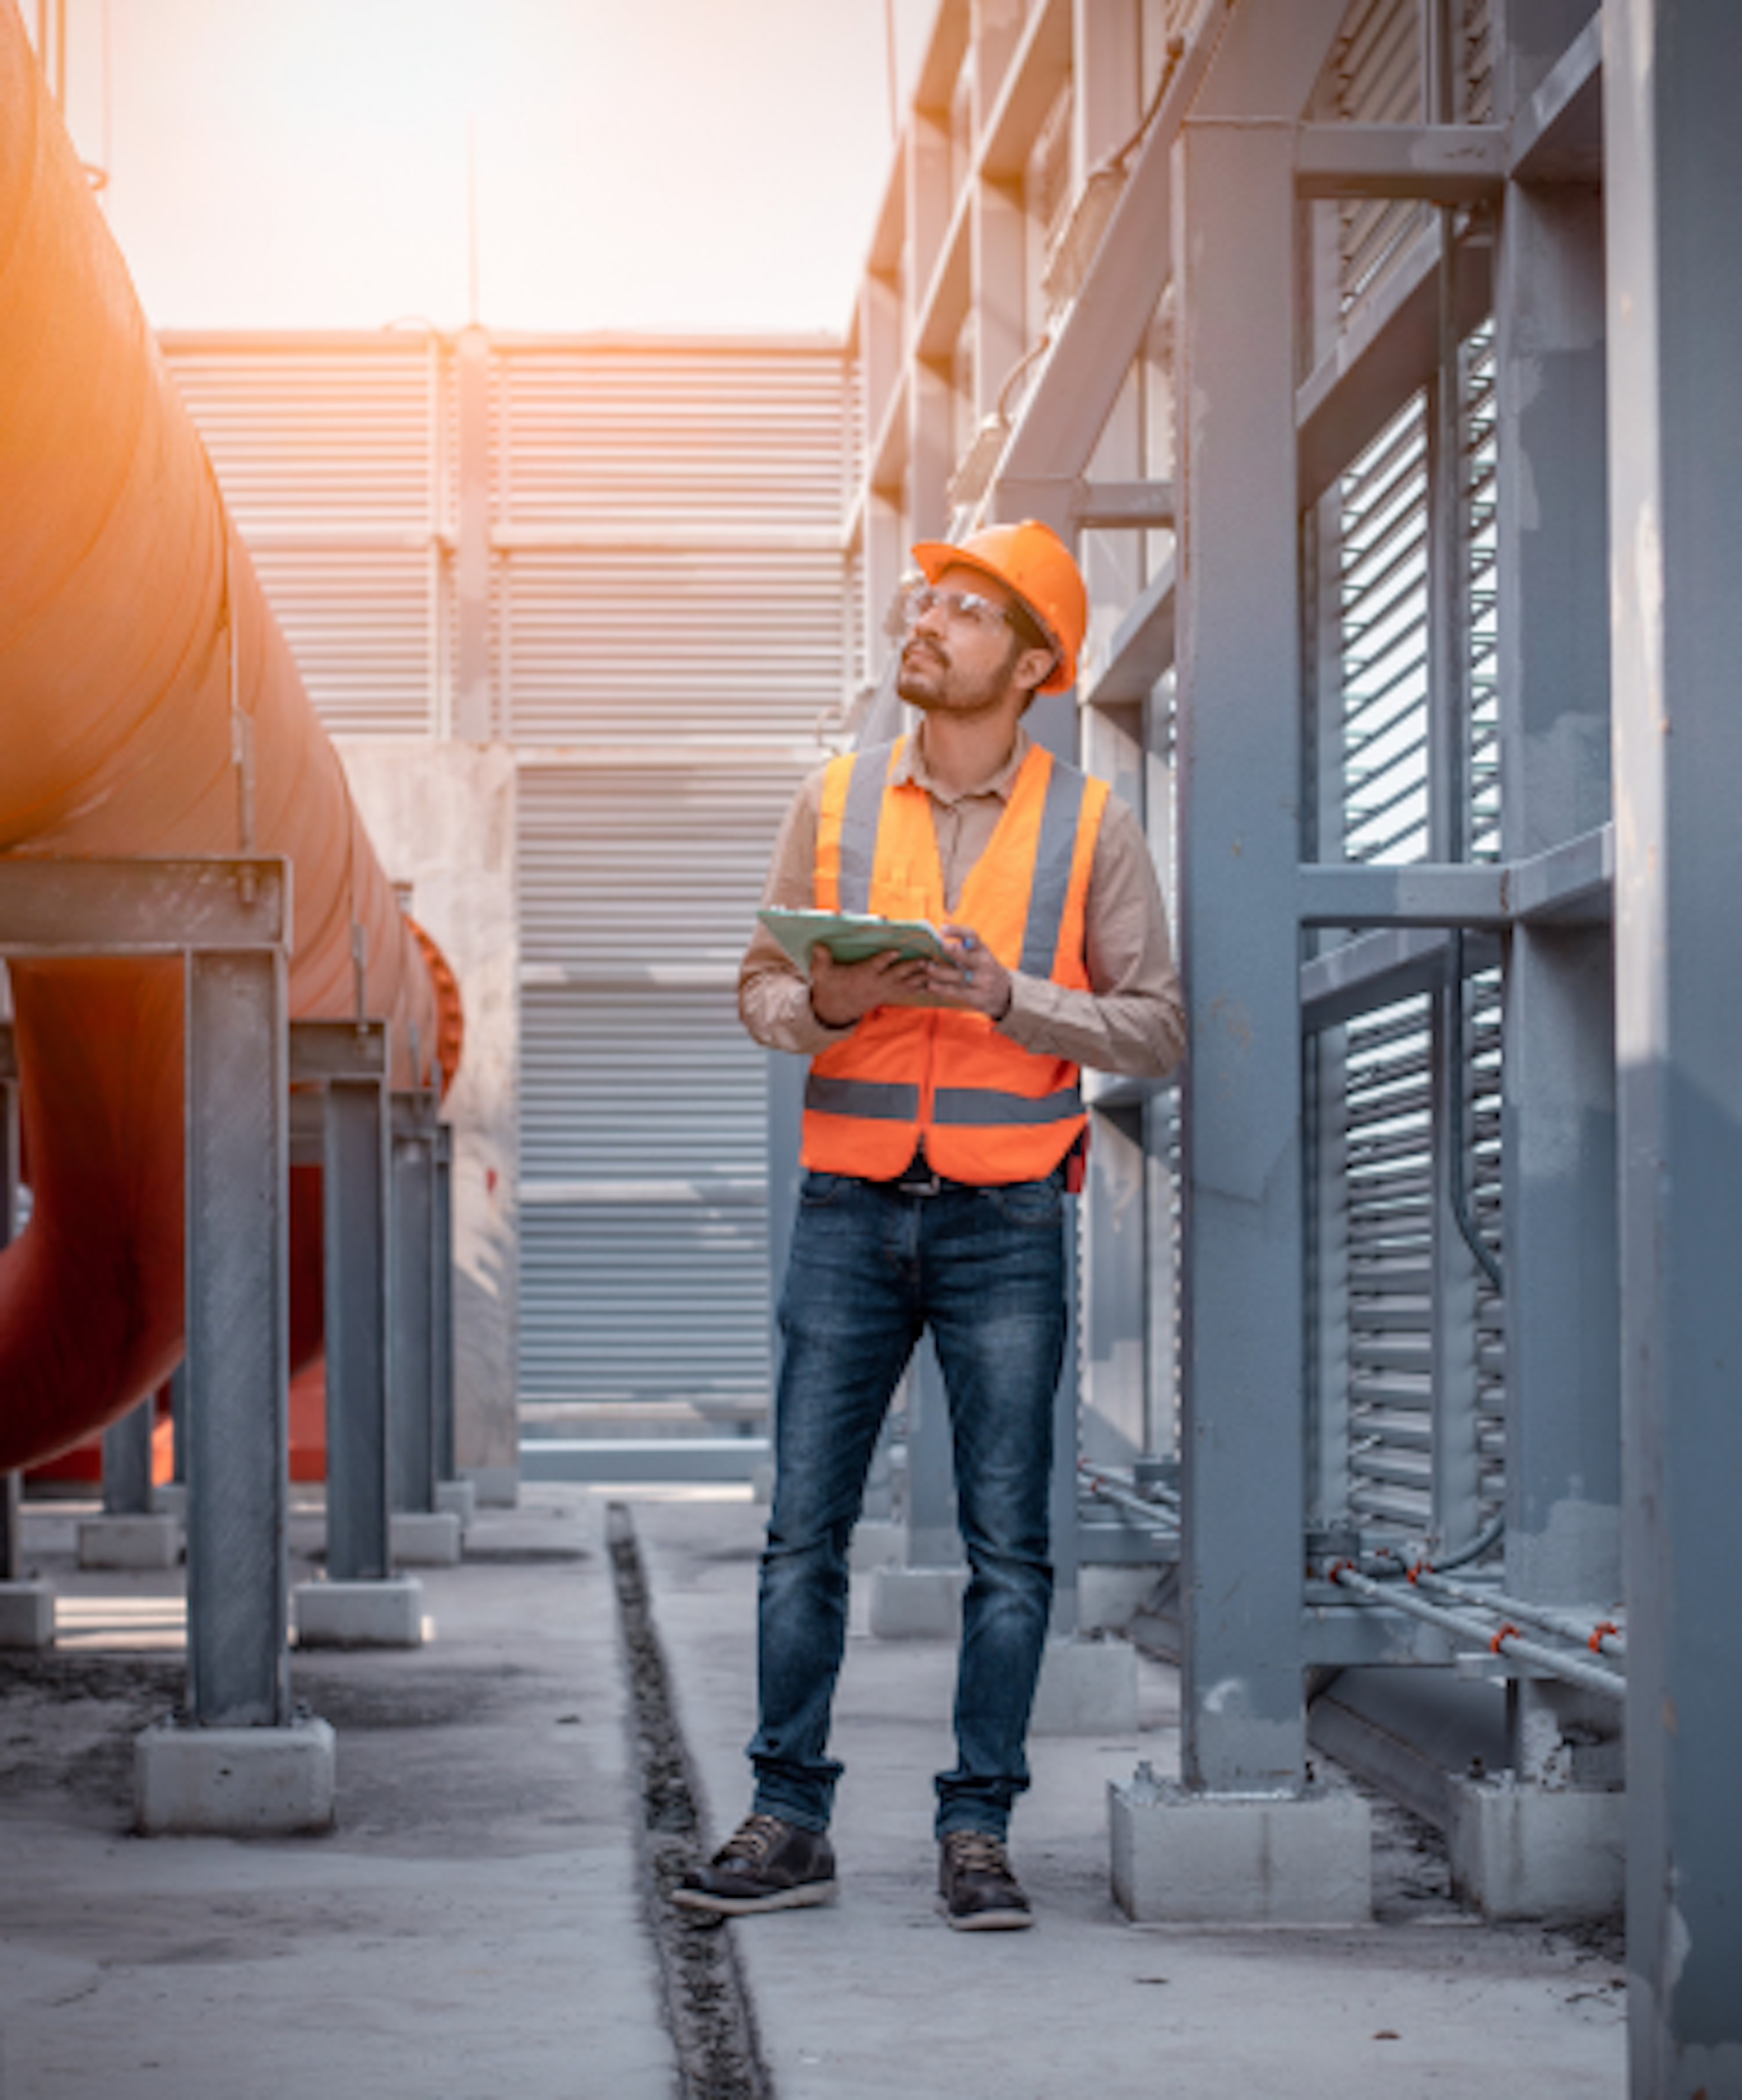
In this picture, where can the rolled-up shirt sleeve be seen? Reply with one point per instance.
(1132, 1019)
(774, 996)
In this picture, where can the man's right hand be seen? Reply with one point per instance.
(842, 994)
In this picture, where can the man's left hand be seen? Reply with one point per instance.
(970, 976)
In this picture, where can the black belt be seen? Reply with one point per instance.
(918, 1177)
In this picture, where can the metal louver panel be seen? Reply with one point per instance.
(644, 1261)
(623, 439)
(325, 450)
(1375, 77)
(1389, 1149)
(306, 437)
(603, 646)
(1396, 1223)
(1384, 593)
(362, 624)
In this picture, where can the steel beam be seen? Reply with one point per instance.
(1556, 135)
(57, 908)
(1673, 149)
(443, 1306)
(411, 1349)
(1568, 884)
(238, 1349)
(127, 1462)
(1455, 164)
(1239, 757)
(1558, 1076)
(1142, 647)
(354, 1183)
(1247, 59)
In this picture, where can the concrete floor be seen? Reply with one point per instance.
(475, 1928)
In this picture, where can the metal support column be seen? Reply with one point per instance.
(1557, 1107)
(238, 1346)
(442, 1286)
(1240, 735)
(1672, 151)
(411, 1465)
(11, 1483)
(354, 1191)
(127, 1461)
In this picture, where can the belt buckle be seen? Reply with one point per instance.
(915, 1183)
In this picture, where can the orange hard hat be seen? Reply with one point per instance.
(1031, 560)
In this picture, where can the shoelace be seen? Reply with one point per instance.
(753, 1839)
(974, 1852)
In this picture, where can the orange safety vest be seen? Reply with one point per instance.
(986, 1110)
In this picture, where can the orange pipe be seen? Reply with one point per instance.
(121, 584)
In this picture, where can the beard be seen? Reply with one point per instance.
(929, 679)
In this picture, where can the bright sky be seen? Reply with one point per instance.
(641, 164)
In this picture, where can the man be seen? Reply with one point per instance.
(942, 1118)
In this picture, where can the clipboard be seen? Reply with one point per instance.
(850, 936)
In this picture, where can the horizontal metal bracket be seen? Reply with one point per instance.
(1142, 648)
(1439, 163)
(1570, 884)
(324, 1050)
(54, 908)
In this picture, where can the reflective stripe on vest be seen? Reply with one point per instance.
(887, 1101)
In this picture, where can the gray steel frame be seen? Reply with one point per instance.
(1599, 246)
(230, 920)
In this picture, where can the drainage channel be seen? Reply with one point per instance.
(712, 2024)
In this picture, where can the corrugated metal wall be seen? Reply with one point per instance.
(667, 628)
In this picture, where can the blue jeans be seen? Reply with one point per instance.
(870, 1269)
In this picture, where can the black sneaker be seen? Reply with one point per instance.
(765, 1864)
(977, 1890)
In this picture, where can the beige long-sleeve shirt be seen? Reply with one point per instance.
(1131, 1020)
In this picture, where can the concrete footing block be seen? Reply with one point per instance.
(916, 1603)
(153, 1541)
(385, 1614)
(876, 1543)
(1537, 1852)
(1087, 1688)
(170, 1498)
(762, 1483)
(458, 1498)
(27, 1615)
(1180, 1858)
(424, 1538)
(497, 1487)
(233, 1782)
